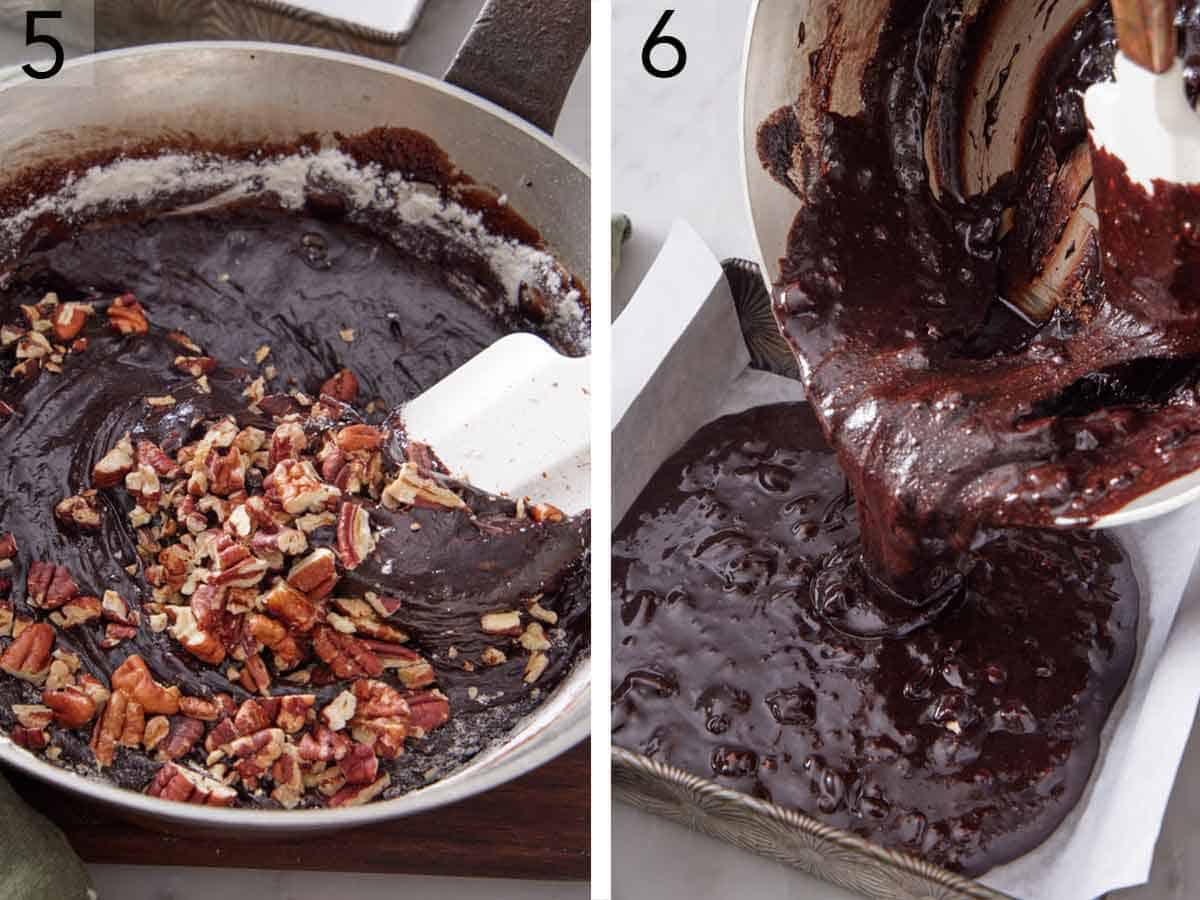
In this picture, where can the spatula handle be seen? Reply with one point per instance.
(1146, 32)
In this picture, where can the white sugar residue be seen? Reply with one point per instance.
(131, 183)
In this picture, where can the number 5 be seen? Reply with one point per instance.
(32, 37)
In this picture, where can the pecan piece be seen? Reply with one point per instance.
(109, 728)
(293, 712)
(312, 574)
(195, 365)
(226, 472)
(28, 657)
(360, 765)
(359, 437)
(114, 634)
(289, 604)
(410, 487)
(152, 455)
(82, 510)
(288, 778)
(355, 541)
(288, 441)
(133, 676)
(506, 622)
(202, 644)
(356, 795)
(342, 386)
(184, 733)
(347, 656)
(8, 546)
(174, 782)
(76, 612)
(199, 708)
(127, 315)
(323, 745)
(300, 489)
(378, 698)
(545, 512)
(30, 738)
(33, 715)
(428, 710)
(114, 465)
(69, 321)
(339, 711)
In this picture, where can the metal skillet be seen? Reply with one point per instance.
(524, 55)
(781, 36)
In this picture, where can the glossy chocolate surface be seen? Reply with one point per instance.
(948, 409)
(966, 742)
(234, 280)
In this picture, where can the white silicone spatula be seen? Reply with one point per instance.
(1143, 117)
(514, 420)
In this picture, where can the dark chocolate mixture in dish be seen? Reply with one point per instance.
(966, 742)
(969, 356)
(226, 576)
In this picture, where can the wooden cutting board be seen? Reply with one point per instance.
(536, 827)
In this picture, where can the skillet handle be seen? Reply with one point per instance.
(523, 54)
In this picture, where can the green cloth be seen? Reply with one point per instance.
(36, 862)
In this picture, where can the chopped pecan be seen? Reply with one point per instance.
(195, 365)
(127, 315)
(287, 541)
(6, 411)
(294, 710)
(340, 711)
(341, 386)
(115, 609)
(185, 731)
(28, 657)
(33, 715)
(82, 510)
(255, 676)
(133, 677)
(30, 738)
(155, 731)
(410, 487)
(72, 707)
(506, 622)
(174, 782)
(323, 745)
(109, 728)
(544, 512)
(356, 795)
(428, 710)
(114, 634)
(252, 716)
(152, 455)
(378, 698)
(245, 573)
(360, 765)
(199, 708)
(289, 604)
(8, 546)
(134, 725)
(202, 644)
(300, 489)
(220, 735)
(347, 656)
(114, 465)
(288, 778)
(288, 441)
(76, 611)
(492, 656)
(534, 638)
(536, 666)
(355, 541)
(226, 472)
(262, 747)
(143, 483)
(359, 437)
(313, 573)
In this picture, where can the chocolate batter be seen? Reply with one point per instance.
(949, 409)
(966, 742)
(323, 294)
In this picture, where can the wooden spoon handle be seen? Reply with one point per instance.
(1146, 32)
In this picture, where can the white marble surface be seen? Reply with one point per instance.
(675, 141)
(676, 154)
(438, 35)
